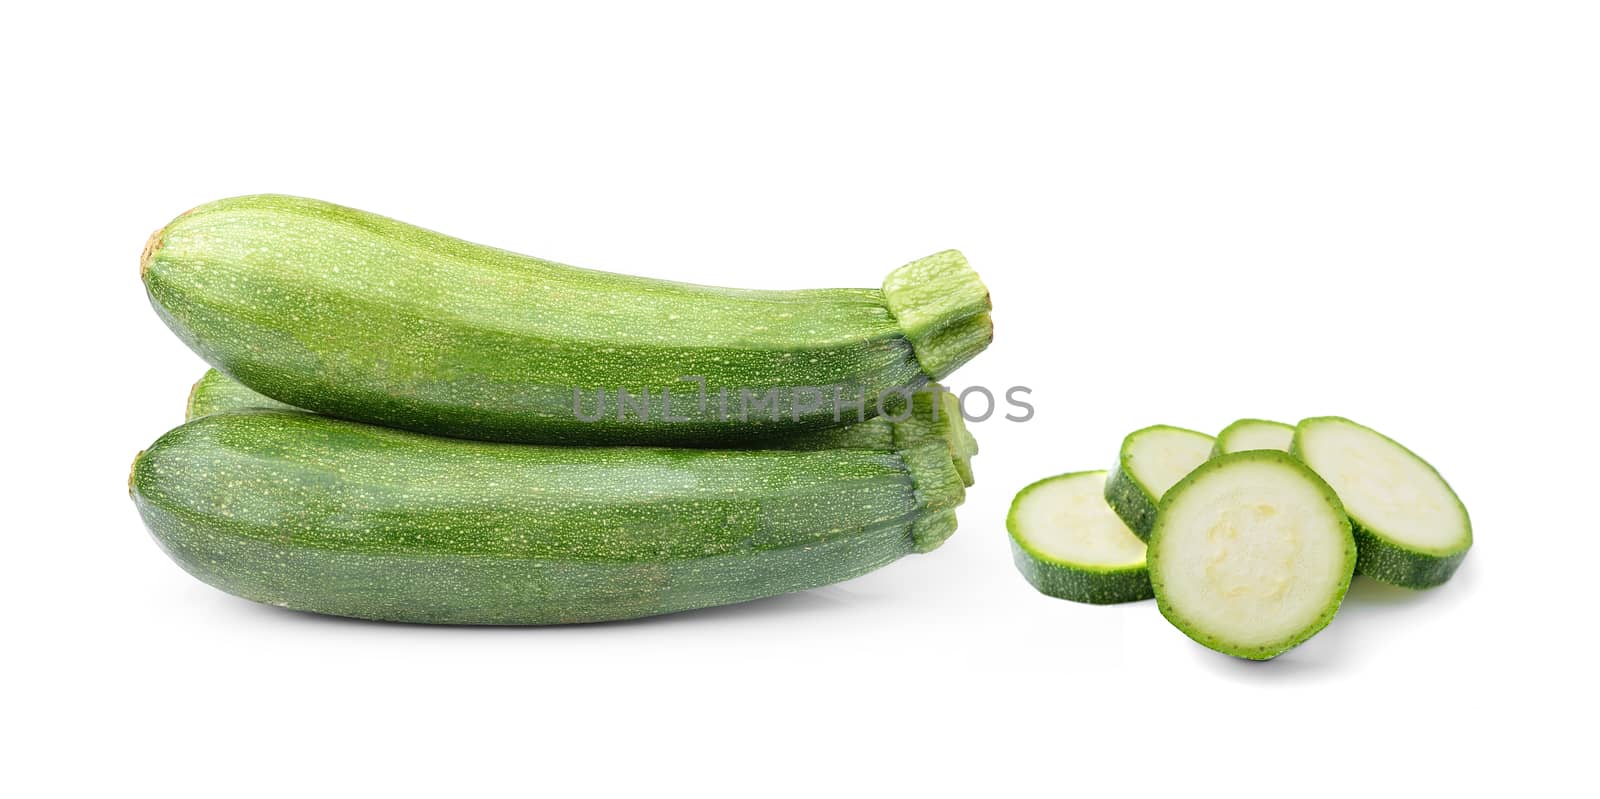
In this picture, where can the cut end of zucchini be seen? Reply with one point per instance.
(1152, 460)
(1411, 528)
(1069, 544)
(1251, 554)
(1247, 434)
(942, 308)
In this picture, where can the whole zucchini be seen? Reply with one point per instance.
(355, 315)
(934, 415)
(319, 514)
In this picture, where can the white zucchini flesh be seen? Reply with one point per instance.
(1069, 544)
(1411, 527)
(1248, 434)
(1162, 456)
(1151, 461)
(1067, 519)
(1251, 554)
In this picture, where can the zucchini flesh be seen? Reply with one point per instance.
(338, 517)
(1248, 434)
(1411, 529)
(1069, 544)
(935, 415)
(1151, 461)
(1251, 554)
(358, 316)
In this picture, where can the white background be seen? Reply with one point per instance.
(1185, 212)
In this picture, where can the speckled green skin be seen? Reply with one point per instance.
(216, 392)
(1381, 557)
(358, 316)
(1131, 502)
(307, 512)
(1081, 584)
(936, 414)
(1209, 470)
(1096, 585)
(1128, 497)
(1221, 447)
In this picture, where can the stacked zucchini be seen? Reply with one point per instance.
(408, 427)
(1248, 540)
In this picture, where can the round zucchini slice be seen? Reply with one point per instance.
(1248, 434)
(1410, 527)
(1251, 554)
(1151, 461)
(1068, 544)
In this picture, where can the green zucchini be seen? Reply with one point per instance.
(216, 392)
(1151, 461)
(358, 316)
(331, 516)
(1068, 544)
(1411, 529)
(1248, 434)
(1251, 554)
(935, 414)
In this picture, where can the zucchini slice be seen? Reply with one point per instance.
(1410, 527)
(1248, 434)
(1251, 554)
(1151, 461)
(1068, 544)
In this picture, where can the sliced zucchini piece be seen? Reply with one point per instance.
(1410, 527)
(1251, 554)
(1151, 461)
(1068, 544)
(1248, 434)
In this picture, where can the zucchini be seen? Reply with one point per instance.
(358, 316)
(216, 392)
(1411, 529)
(1150, 462)
(935, 415)
(331, 516)
(1248, 434)
(1068, 544)
(1251, 554)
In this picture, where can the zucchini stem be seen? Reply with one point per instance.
(942, 308)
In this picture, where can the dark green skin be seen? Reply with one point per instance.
(1388, 562)
(1131, 502)
(311, 513)
(1079, 584)
(354, 315)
